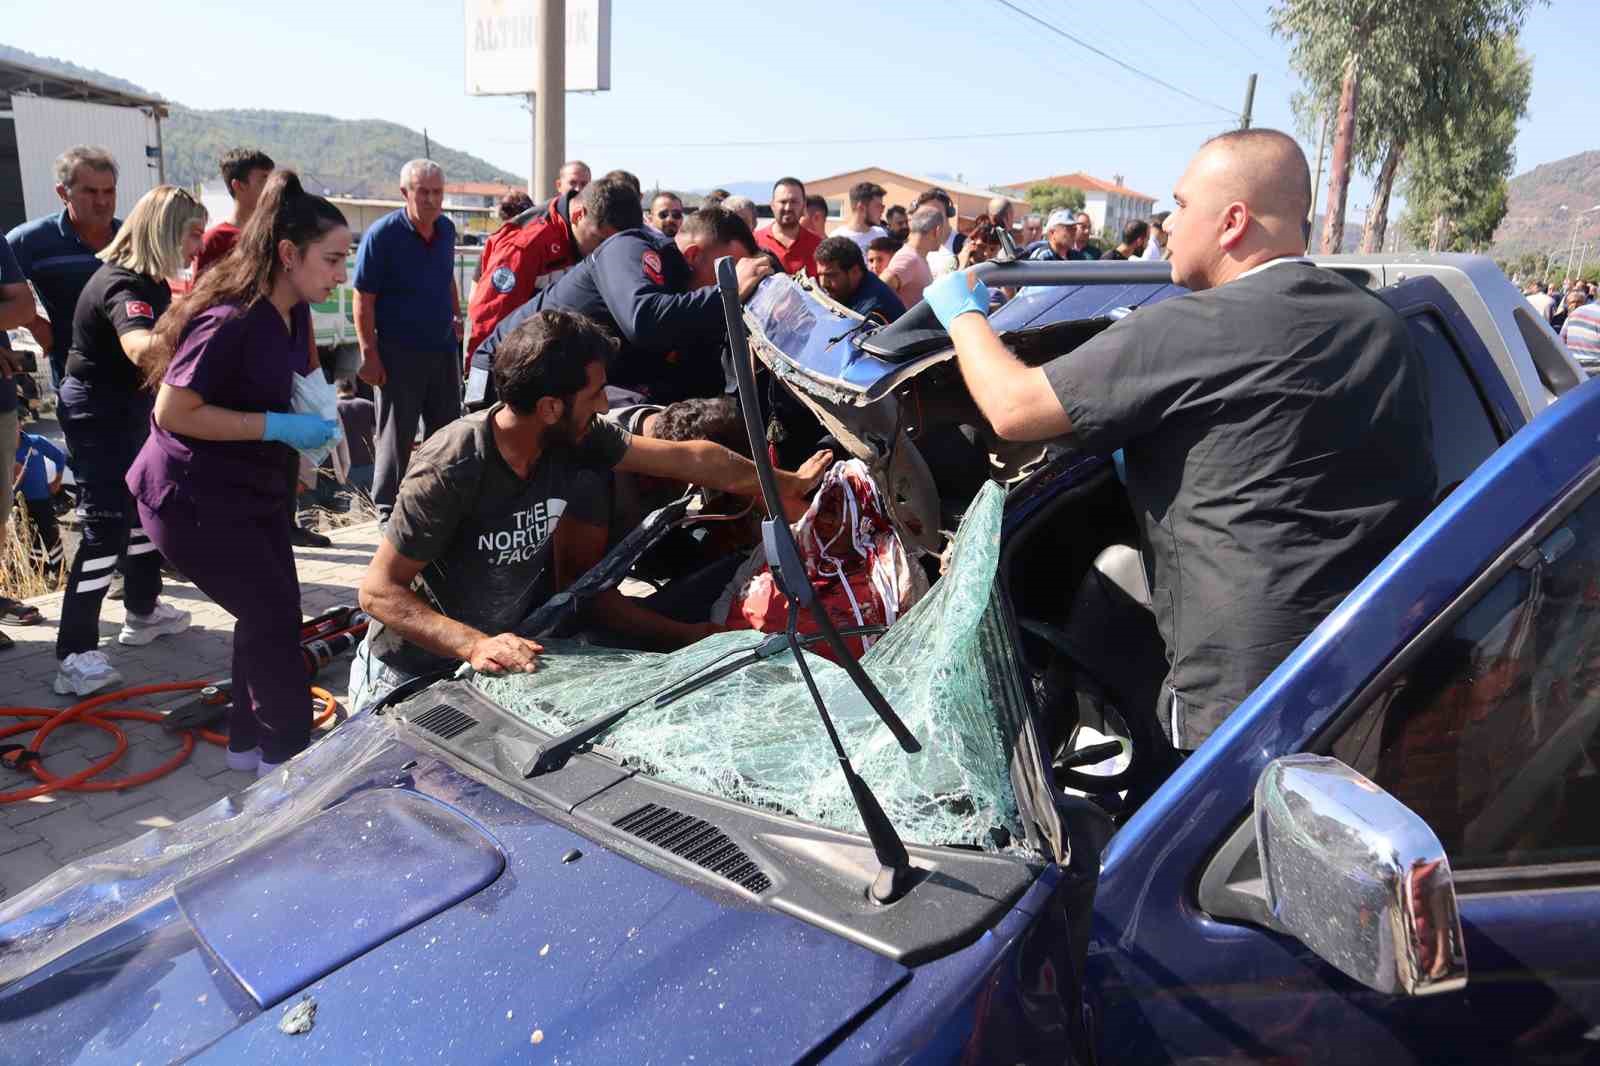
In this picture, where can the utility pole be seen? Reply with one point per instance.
(532, 104)
(1249, 103)
(1316, 182)
(550, 103)
(427, 145)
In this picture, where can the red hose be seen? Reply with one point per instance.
(89, 712)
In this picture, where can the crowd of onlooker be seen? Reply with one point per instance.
(1571, 310)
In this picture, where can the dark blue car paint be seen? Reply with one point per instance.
(440, 859)
(1166, 982)
(644, 967)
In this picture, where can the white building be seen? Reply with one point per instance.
(1109, 203)
(42, 114)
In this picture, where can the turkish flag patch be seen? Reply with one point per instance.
(138, 309)
(651, 263)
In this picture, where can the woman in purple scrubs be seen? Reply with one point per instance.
(213, 479)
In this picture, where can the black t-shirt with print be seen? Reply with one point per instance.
(1278, 446)
(483, 531)
(115, 301)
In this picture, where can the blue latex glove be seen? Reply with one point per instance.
(302, 432)
(955, 294)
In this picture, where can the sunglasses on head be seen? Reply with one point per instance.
(669, 214)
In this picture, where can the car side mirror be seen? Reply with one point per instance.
(1357, 877)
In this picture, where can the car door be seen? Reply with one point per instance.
(1458, 676)
(1488, 727)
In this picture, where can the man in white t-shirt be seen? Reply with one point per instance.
(1540, 300)
(866, 209)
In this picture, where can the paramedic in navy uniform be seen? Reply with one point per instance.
(656, 295)
(1274, 423)
(105, 415)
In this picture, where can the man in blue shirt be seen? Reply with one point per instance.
(843, 275)
(16, 309)
(57, 252)
(408, 323)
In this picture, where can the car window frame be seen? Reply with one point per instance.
(1498, 425)
(1227, 883)
(1515, 554)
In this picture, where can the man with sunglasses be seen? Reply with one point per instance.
(666, 213)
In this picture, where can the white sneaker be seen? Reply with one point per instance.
(143, 628)
(84, 672)
(267, 768)
(246, 761)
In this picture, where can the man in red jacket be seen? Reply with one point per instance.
(522, 257)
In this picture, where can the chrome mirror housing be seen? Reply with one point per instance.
(1357, 877)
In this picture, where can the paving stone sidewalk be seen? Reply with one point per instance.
(40, 835)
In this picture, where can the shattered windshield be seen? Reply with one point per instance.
(947, 667)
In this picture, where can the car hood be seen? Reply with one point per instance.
(424, 915)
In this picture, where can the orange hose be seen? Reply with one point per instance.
(89, 712)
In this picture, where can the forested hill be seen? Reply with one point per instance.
(354, 157)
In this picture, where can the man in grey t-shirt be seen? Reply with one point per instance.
(504, 507)
(1274, 424)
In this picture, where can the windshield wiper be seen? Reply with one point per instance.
(554, 755)
(783, 559)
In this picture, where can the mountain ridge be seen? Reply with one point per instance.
(335, 156)
(1534, 219)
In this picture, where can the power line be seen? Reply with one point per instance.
(996, 134)
(1251, 18)
(1234, 38)
(1048, 55)
(1080, 42)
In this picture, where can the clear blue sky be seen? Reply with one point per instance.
(873, 72)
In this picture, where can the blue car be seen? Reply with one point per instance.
(1389, 828)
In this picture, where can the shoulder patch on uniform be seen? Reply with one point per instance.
(651, 262)
(504, 279)
(138, 309)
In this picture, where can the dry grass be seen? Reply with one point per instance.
(361, 511)
(21, 575)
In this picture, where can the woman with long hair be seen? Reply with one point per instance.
(213, 479)
(104, 411)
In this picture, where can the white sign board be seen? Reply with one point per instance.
(46, 128)
(503, 46)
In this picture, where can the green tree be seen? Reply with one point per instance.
(1388, 72)
(1047, 198)
(1456, 184)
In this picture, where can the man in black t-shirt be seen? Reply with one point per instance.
(503, 508)
(1135, 238)
(1274, 423)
